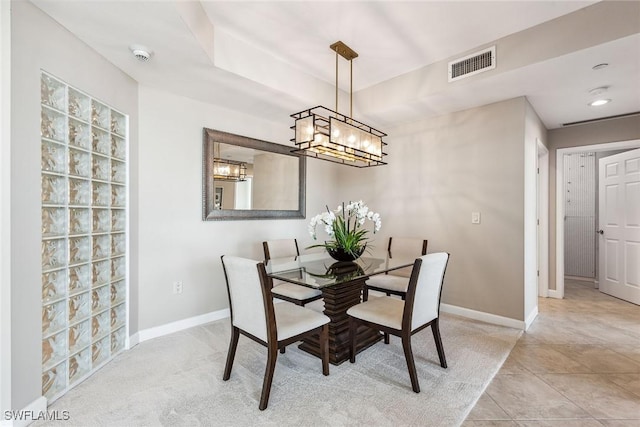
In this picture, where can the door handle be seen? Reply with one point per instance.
(600, 231)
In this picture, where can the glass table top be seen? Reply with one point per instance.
(319, 270)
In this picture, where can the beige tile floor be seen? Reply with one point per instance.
(577, 366)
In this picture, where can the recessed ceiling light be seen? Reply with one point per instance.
(599, 102)
(600, 66)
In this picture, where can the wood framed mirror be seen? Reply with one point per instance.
(247, 178)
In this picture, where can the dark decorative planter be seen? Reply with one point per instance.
(340, 255)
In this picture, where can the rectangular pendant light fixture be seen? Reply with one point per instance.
(328, 135)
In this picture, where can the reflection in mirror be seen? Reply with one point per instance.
(246, 178)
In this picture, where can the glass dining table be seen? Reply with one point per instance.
(341, 284)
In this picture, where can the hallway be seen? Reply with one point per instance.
(578, 365)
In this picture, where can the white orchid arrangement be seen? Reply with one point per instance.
(345, 226)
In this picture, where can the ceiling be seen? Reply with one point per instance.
(272, 58)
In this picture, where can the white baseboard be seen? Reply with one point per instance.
(35, 411)
(482, 316)
(530, 318)
(169, 328)
(553, 293)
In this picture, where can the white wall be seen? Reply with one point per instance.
(39, 43)
(442, 169)
(5, 211)
(175, 244)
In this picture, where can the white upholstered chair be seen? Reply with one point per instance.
(254, 315)
(395, 282)
(421, 308)
(291, 292)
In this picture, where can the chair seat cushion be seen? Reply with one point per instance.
(388, 281)
(293, 291)
(292, 320)
(386, 311)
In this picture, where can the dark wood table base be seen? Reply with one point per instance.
(337, 300)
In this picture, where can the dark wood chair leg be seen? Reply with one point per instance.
(408, 354)
(352, 339)
(386, 338)
(272, 355)
(324, 349)
(365, 294)
(435, 328)
(283, 349)
(235, 334)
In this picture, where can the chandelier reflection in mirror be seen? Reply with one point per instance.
(228, 170)
(328, 135)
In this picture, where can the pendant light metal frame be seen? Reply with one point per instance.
(326, 134)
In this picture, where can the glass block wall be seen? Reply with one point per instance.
(83, 234)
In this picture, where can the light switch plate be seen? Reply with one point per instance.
(475, 217)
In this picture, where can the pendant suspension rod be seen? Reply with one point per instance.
(351, 90)
(336, 80)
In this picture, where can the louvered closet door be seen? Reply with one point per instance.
(580, 205)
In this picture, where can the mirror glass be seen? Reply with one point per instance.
(247, 178)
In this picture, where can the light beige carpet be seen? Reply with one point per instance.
(176, 380)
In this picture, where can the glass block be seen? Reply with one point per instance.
(100, 140)
(118, 171)
(118, 268)
(54, 381)
(101, 194)
(54, 222)
(53, 157)
(118, 292)
(53, 125)
(101, 169)
(79, 221)
(118, 219)
(79, 250)
(117, 340)
(54, 285)
(118, 123)
(100, 324)
(79, 307)
(79, 278)
(54, 190)
(54, 254)
(79, 336)
(118, 244)
(79, 365)
(118, 316)
(118, 196)
(54, 349)
(101, 220)
(79, 134)
(118, 147)
(79, 105)
(52, 92)
(101, 247)
(99, 114)
(101, 273)
(54, 318)
(79, 192)
(79, 163)
(100, 351)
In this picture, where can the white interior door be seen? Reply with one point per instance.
(619, 229)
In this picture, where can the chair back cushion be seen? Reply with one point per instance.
(408, 248)
(246, 296)
(281, 248)
(426, 302)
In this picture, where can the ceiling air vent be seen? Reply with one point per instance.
(472, 64)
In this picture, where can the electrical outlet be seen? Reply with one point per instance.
(177, 287)
(475, 217)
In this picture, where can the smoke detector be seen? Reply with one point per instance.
(141, 53)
